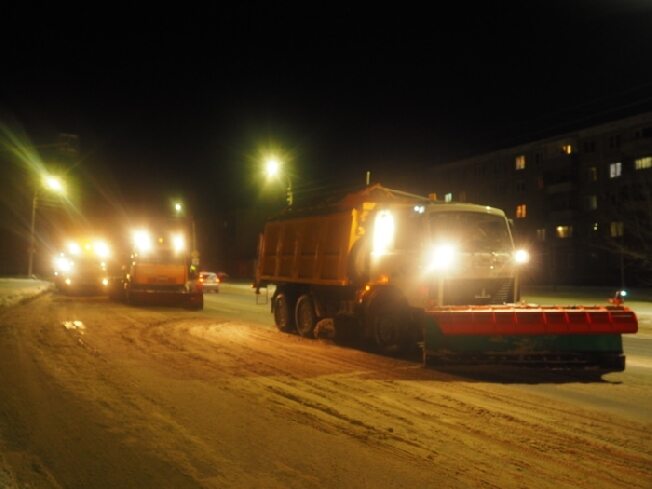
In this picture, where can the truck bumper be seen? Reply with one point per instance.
(83, 285)
(193, 299)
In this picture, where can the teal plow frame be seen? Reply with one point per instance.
(603, 351)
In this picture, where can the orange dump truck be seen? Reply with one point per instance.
(160, 268)
(397, 269)
(82, 265)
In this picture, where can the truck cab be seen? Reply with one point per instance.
(445, 254)
(160, 266)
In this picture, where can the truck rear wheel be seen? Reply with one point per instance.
(305, 316)
(283, 317)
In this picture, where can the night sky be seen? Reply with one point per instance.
(182, 102)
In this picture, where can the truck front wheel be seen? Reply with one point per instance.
(306, 317)
(388, 322)
(283, 317)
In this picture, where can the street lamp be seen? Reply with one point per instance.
(273, 170)
(53, 184)
(180, 212)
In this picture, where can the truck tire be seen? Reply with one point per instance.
(388, 321)
(283, 317)
(195, 302)
(306, 319)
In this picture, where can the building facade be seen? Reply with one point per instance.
(580, 201)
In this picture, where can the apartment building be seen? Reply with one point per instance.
(581, 201)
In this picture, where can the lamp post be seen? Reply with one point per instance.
(53, 184)
(180, 212)
(273, 170)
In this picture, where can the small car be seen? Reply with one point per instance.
(209, 281)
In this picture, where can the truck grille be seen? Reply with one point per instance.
(459, 292)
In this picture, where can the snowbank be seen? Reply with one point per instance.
(14, 290)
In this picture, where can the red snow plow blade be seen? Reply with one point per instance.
(549, 337)
(534, 320)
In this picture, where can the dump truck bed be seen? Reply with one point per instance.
(312, 250)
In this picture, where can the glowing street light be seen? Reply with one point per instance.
(273, 170)
(178, 208)
(53, 184)
(272, 167)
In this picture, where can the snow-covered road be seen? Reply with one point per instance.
(161, 397)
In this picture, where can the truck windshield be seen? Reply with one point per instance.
(471, 231)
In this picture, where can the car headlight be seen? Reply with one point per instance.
(142, 241)
(383, 237)
(521, 257)
(442, 257)
(178, 243)
(101, 249)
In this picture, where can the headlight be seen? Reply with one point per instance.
(62, 264)
(142, 241)
(521, 257)
(101, 249)
(178, 243)
(74, 248)
(383, 233)
(442, 257)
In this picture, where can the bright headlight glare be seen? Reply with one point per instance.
(178, 242)
(142, 240)
(521, 257)
(101, 249)
(74, 248)
(62, 264)
(383, 237)
(442, 257)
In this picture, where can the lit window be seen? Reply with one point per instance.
(617, 229)
(615, 169)
(520, 162)
(591, 202)
(448, 197)
(521, 211)
(564, 231)
(643, 163)
(567, 149)
(541, 234)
